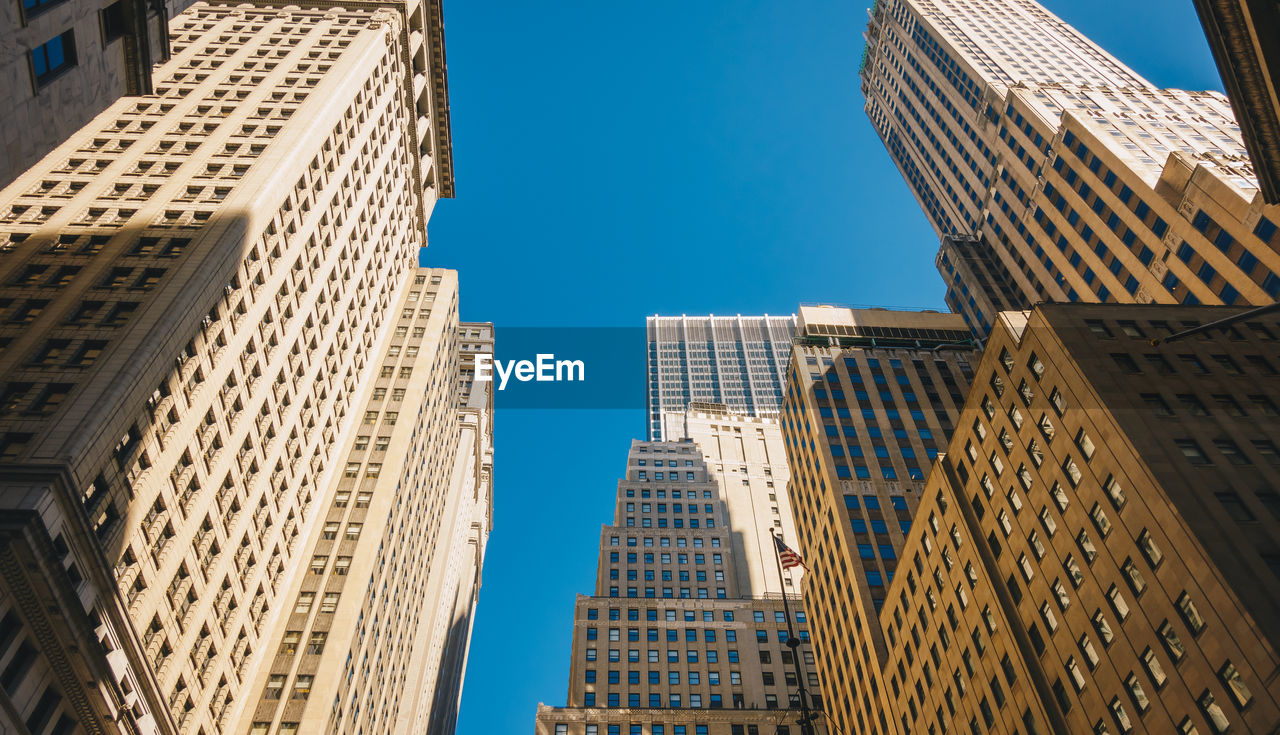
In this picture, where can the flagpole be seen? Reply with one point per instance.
(806, 726)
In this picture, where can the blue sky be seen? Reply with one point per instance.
(622, 158)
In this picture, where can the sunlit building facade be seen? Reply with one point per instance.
(1081, 179)
(1096, 552)
(198, 294)
(735, 361)
(687, 631)
(872, 398)
(385, 579)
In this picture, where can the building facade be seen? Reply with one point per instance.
(872, 397)
(459, 589)
(735, 361)
(66, 61)
(687, 632)
(197, 291)
(1243, 38)
(1079, 177)
(1099, 546)
(388, 580)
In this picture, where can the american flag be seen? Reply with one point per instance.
(788, 557)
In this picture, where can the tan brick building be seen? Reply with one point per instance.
(1096, 551)
(872, 396)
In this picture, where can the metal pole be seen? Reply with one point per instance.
(806, 724)
(1219, 324)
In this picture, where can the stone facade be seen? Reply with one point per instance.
(686, 632)
(198, 290)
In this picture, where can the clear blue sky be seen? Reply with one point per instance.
(620, 158)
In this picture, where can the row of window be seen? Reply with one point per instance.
(665, 541)
(690, 616)
(633, 558)
(675, 494)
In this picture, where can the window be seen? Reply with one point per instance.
(1036, 367)
(1073, 471)
(1190, 615)
(1085, 444)
(275, 685)
(53, 57)
(1230, 678)
(1153, 667)
(1213, 712)
(1075, 674)
(1172, 643)
(1134, 577)
(1121, 717)
(1125, 362)
(1235, 507)
(1156, 403)
(1192, 451)
(303, 604)
(330, 602)
(302, 686)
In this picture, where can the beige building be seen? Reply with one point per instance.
(687, 632)
(198, 294)
(872, 396)
(388, 580)
(1075, 175)
(1099, 547)
(66, 61)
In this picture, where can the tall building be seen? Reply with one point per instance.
(200, 292)
(1078, 177)
(1243, 37)
(736, 361)
(1099, 552)
(977, 282)
(387, 580)
(872, 395)
(459, 590)
(687, 632)
(66, 61)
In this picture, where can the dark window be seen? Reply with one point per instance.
(32, 8)
(53, 57)
(113, 24)
(1235, 507)
(43, 712)
(13, 674)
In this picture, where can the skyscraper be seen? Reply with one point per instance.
(416, 429)
(872, 395)
(1075, 174)
(687, 632)
(67, 61)
(1097, 550)
(203, 293)
(1242, 35)
(735, 361)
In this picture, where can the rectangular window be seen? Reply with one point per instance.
(53, 57)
